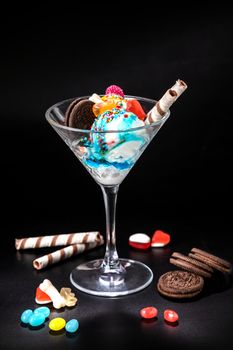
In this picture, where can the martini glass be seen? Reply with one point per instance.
(109, 276)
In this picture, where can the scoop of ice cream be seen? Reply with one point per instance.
(122, 145)
(117, 119)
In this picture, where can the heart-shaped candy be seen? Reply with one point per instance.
(160, 239)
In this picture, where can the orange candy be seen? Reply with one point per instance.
(102, 107)
(109, 102)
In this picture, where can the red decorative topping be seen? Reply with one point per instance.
(135, 107)
(160, 239)
(114, 90)
(149, 312)
(170, 316)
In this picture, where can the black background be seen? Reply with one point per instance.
(181, 184)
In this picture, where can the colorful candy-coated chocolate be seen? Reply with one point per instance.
(170, 316)
(139, 241)
(149, 312)
(36, 319)
(56, 324)
(42, 297)
(135, 107)
(26, 316)
(43, 310)
(72, 326)
(160, 239)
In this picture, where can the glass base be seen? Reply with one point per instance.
(90, 278)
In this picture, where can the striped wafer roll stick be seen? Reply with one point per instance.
(163, 105)
(56, 240)
(64, 253)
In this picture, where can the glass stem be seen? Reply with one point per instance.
(111, 261)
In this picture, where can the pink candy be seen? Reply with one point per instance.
(114, 90)
(149, 312)
(170, 316)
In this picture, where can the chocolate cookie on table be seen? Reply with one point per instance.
(180, 284)
(211, 260)
(189, 264)
(80, 115)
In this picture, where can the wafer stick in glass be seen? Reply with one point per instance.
(163, 105)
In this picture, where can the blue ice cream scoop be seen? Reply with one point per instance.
(120, 145)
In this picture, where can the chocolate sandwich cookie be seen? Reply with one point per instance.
(79, 114)
(180, 284)
(192, 265)
(211, 260)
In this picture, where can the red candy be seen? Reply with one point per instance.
(170, 316)
(135, 107)
(139, 241)
(149, 312)
(42, 297)
(160, 239)
(114, 90)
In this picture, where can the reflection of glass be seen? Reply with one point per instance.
(108, 156)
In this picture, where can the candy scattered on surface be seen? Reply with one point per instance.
(160, 239)
(44, 310)
(36, 319)
(139, 241)
(68, 296)
(56, 324)
(135, 107)
(42, 297)
(47, 287)
(114, 90)
(26, 316)
(72, 326)
(170, 316)
(149, 312)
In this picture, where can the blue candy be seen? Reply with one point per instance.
(37, 319)
(26, 316)
(42, 310)
(72, 326)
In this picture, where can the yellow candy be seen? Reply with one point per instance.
(56, 324)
